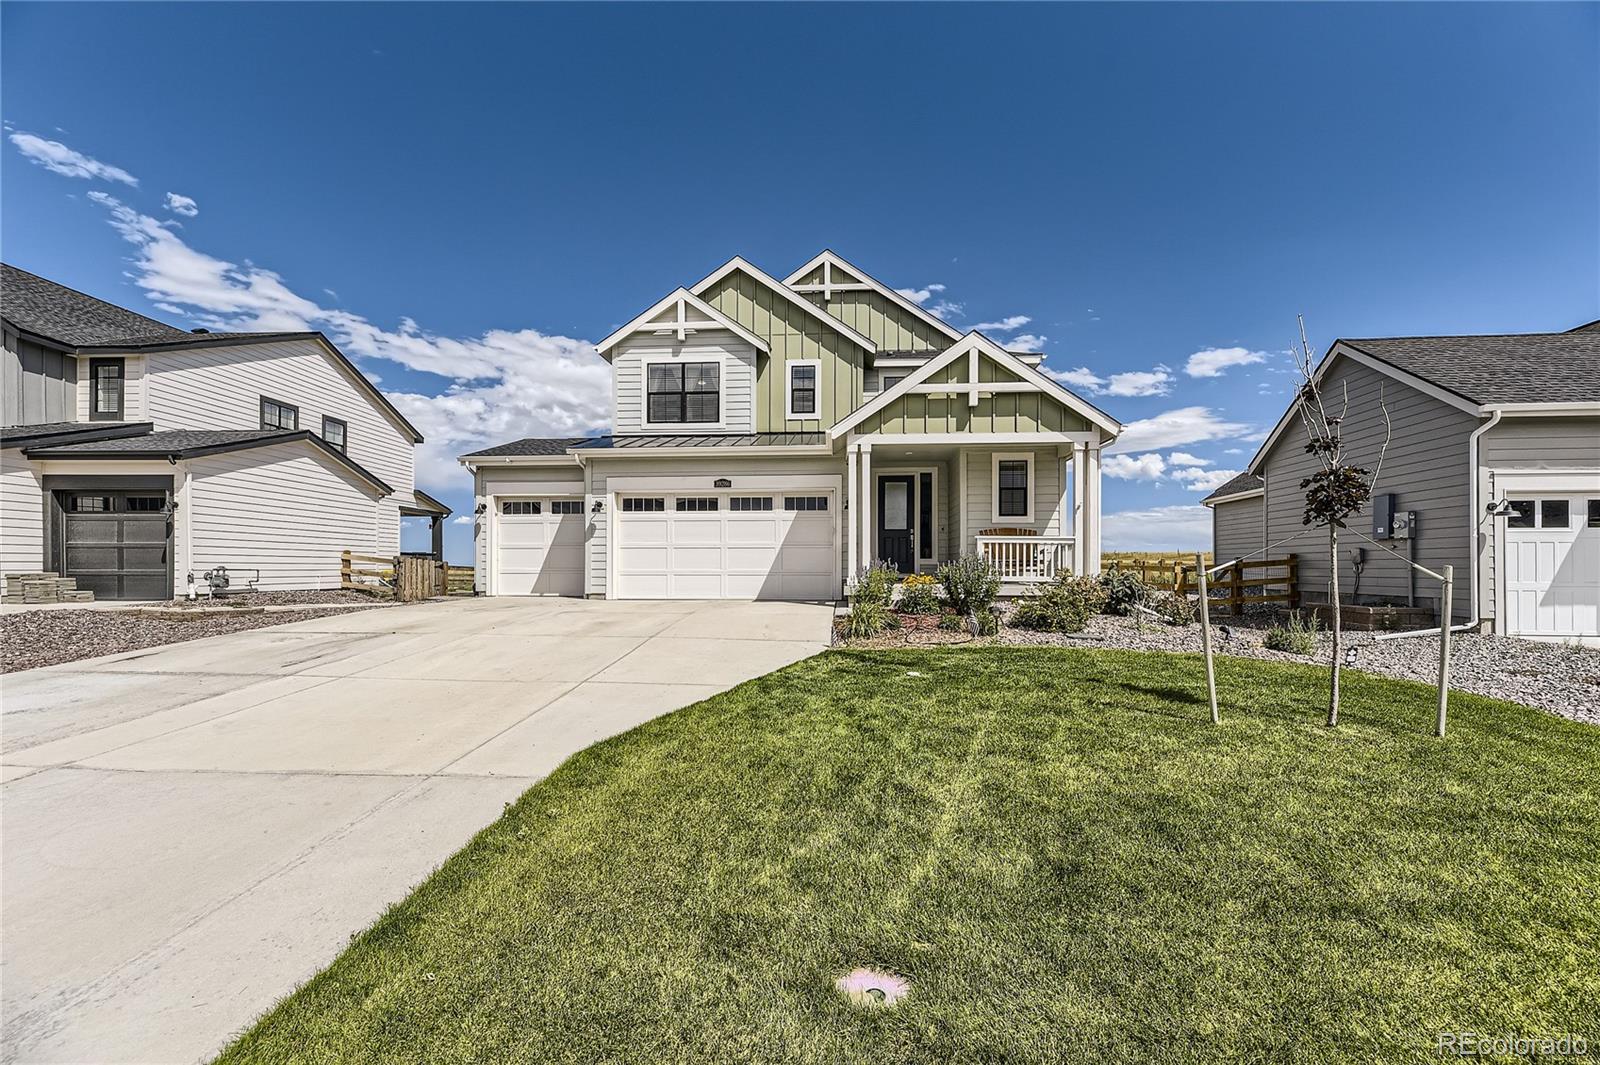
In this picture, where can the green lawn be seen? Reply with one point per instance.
(1064, 857)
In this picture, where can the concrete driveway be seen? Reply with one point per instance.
(191, 831)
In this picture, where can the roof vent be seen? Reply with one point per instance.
(199, 330)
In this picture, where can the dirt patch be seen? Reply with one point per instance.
(49, 637)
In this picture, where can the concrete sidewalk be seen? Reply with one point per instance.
(191, 831)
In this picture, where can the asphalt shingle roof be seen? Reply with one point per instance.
(71, 317)
(43, 433)
(1242, 483)
(530, 447)
(1518, 368)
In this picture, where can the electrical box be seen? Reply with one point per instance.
(1405, 525)
(1383, 516)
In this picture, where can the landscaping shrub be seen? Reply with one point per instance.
(868, 618)
(1064, 606)
(1175, 609)
(1125, 592)
(876, 584)
(1298, 636)
(970, 585)
(918, 595)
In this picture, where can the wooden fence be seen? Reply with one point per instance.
(409, 577)
(1233, 587)
(1154, 571)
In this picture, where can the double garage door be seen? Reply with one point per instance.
(745, 545)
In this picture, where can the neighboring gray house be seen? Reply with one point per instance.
(133, 453)
(1495, 449)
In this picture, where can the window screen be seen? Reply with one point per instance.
(687, 392)
(750, 503)
(638, 504)
(1013, 488)
(566, 506)
(805, 502)
(696, 503)
(520, 506)
(803, 389)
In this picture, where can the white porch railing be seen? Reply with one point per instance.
(1023, 559)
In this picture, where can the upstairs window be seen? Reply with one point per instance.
(686, 393)
(276, 415)
(803, 388)
(335, 432)
(106, 390)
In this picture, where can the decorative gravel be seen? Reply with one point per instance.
(307, 597)
(1558, 678)
(37, 638)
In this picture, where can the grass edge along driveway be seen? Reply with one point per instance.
(1065, 859)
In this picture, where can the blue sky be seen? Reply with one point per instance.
(466, 197)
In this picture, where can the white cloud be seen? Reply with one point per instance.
(1146, 467)
(1234, 451)
(1204, 480)
(183, 205)
(504, 384)
(1175, 528)
(1140, 383)
(948, 309)
(1004, 325)
(1026, 342)
(919, 296)
(1183, 458)
(58, 158)
(461, 519)
(1213, 361)
(1082, 377)
(1175, 428)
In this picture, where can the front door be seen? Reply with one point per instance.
(895, 544)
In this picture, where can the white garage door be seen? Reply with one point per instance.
(538, 546)
(727, 546)
(1553, 566)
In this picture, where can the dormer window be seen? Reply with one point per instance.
(684, 393)
(106, 391)
(803, 375)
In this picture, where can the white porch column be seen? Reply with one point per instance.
(853, 509)
(1080, 537)
(867, 496)
(1092, 471)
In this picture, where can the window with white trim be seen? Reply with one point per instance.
(686, 393)
(1013, 487)
(804, 379)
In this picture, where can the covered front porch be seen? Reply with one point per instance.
(1028, 504)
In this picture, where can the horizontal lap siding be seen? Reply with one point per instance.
(1236, 529)
(1426, 469)
(21, 515)
(1531, 444)
(221, 388)
(1048, 519)
(743, 472)
(283, 510)
(135, 389)
(527, 480)
(738, 385)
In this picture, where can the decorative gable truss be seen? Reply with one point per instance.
(680, 315)
(976, 389)
(850, 294)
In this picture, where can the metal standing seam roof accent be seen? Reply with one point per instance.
(688, 440)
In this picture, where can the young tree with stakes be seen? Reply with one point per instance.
(1337, 489)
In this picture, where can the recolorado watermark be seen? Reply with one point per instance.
(1477, 1045)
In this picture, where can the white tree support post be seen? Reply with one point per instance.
(1444, 648)
(1205, 637)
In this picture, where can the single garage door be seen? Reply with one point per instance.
(750, 545)
(117, 544)
(1553, 566)
(538, 546)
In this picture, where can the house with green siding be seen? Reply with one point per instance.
(771, 438)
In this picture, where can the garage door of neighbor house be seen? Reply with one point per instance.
(117, 544)
(538, 546)
(747, 545)
(1553, 565)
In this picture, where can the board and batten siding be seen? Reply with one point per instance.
(1426, 469)
(492, 482)
(738, 360)
(791, 333)
(746, 473)
(286, 510)
(1237, 529)
(134, 405)
(37, 385)
(873, 315)
(1528, 443)
(21, 514)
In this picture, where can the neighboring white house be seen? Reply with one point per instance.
(771, 437)
(1495, 450)
(134, 453)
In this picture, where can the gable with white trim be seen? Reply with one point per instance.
(869, 306)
